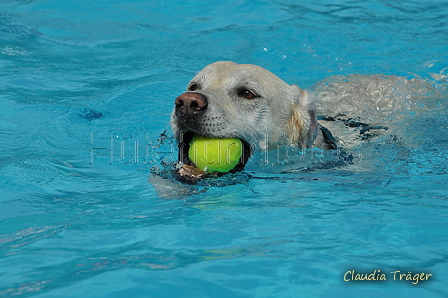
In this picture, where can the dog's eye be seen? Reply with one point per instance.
(193, 87)
(248, 94)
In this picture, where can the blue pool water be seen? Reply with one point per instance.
(86, 90)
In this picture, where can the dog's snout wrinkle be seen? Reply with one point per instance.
(191, 103)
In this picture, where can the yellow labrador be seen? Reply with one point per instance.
(248, 102)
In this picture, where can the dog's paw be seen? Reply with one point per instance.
(189, 173)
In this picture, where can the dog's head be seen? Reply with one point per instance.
(248, 102)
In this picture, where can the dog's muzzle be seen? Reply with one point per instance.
(190, 109)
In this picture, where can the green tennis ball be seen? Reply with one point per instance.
(215, 155)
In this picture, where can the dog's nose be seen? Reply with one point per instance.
(190, 103)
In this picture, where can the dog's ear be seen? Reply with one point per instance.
(302, 124)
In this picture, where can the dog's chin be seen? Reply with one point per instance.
(187, 171)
